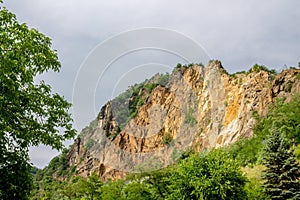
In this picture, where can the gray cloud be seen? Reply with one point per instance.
(239, 33)
(233, 31)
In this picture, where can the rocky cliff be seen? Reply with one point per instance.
(149, 126)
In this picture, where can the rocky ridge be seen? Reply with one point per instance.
(197, 107)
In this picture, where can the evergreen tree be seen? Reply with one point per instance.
(282, 173)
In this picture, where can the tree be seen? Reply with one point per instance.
(137, 190)
(282, 173)
(157, 182)
(91, 186)
(284, 116)
(211, 176)
(30, 114)
(112, 190)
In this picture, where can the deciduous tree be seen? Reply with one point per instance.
(209, 176)
(30, 114)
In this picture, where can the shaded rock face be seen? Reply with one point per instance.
(199, 107)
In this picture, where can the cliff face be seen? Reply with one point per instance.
(198, 107)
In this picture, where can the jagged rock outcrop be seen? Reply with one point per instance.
(198, 107)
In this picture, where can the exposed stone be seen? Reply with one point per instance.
(202, 107)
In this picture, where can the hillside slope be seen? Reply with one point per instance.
(150, 125)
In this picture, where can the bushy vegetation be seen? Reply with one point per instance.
(189, 117)
(75, 188)
(167, 138)
(138, 97)
(284, 116)
(180, 66)
(90, 128)
(212, 175)
(127, 104)
(163, 79)
(258, 68)
(58, 167)
(206, 176)
(89, 144)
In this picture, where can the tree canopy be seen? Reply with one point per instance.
(211, 176)
(282, 173)
(30, 114)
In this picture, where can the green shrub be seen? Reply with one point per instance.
(149, 87)
(190, 65)
(178, 66)
(122, 117)
(288, 86)
(234, 76)
(212, 175)
(225, 103)
(163, 79)
(254, 184)
(90, 143)
(129, 102)
(297, 151)
(200, 64)
(243, 150)
(88, 129)
(189, 117)
(167, 138)
(258, 68)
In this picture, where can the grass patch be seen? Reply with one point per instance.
(189, 117)
(167, 139)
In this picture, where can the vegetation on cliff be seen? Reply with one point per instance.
(126, 105)
(234, 172)
(283, 116)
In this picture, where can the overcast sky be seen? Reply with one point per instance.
(239, 33)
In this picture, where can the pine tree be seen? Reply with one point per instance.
(282, 173)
